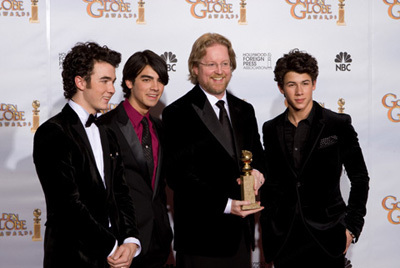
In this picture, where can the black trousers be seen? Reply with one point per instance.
(301, 250)
(241, 259)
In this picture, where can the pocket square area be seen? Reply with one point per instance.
(328, 141)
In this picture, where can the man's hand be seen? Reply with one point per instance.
(122, 257)
(258, 180)
(349, 240)
(236, 208)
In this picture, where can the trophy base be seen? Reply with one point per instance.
(251, 206)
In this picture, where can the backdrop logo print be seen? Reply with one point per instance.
(109, 9)
(171, 60)
(212, 9)
(11, 117)
(11, 225)
(394, 8)
(391, 204)
(257, 61)
(343, 60)
(391, 102)
(13, 8)
(311, 9)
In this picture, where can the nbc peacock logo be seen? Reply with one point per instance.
(171, 60)
(343, 61)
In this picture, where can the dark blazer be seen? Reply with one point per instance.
(79, 207)
(315, 189)
(150, 206)
(202, 173)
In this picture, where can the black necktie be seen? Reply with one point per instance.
(92, 119)
(147, 148)
(225, 123)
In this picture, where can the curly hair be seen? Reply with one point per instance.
(295, 61)
(199, 51)
(135, 65)
(80, 62)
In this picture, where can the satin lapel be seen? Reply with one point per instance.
(236, 114)
(79, 128)
(132, 139)
(206, 113)
(106, 157)
(160, 155)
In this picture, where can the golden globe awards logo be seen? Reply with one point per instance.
(312, 10)
(212, 9)
(13, 8)
(12, 225)
(392, 103)
(394, 8)
(11, 117)
(391, 204)
(115, 9)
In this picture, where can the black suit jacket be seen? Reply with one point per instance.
(315, 189)
(202, 173)
(79, 207)
(150, 206)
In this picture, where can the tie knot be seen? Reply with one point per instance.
(91, 119)
(220, 104)
(144, 122)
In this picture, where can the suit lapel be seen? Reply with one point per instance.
(106, 157)
(77, 126)
(160, 153)
(206, 114)
(132, 139)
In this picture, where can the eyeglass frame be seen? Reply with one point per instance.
(214, 65)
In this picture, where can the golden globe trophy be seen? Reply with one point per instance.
(341, 21)
(140, 19)
(243, 19)
(35, 117)
(247, 182)
(34, 8)
(36, 225)
(341, 103)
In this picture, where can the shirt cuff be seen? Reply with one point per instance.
(228, 206)
(128, 240)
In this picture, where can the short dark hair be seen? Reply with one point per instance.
(80, 62)
(137, 62)
(296, 61)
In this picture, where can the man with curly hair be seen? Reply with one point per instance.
(306, 222)
(90, 215)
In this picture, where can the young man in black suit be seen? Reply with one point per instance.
(144, 76)
(306, 222)
(211, 229)
(90, 216)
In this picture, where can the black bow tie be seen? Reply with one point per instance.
(92, 119)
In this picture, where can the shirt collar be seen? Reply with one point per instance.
(80, 111)
(134, 115)
(212, 99)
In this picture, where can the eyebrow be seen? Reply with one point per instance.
(146, 76)
(108, 78)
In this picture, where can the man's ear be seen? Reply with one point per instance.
(281, 90)
(129, 84)
(80, 82)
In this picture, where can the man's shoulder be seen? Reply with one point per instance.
(183, 101)
(110, 117)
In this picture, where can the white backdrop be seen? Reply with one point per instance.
(32, 50)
